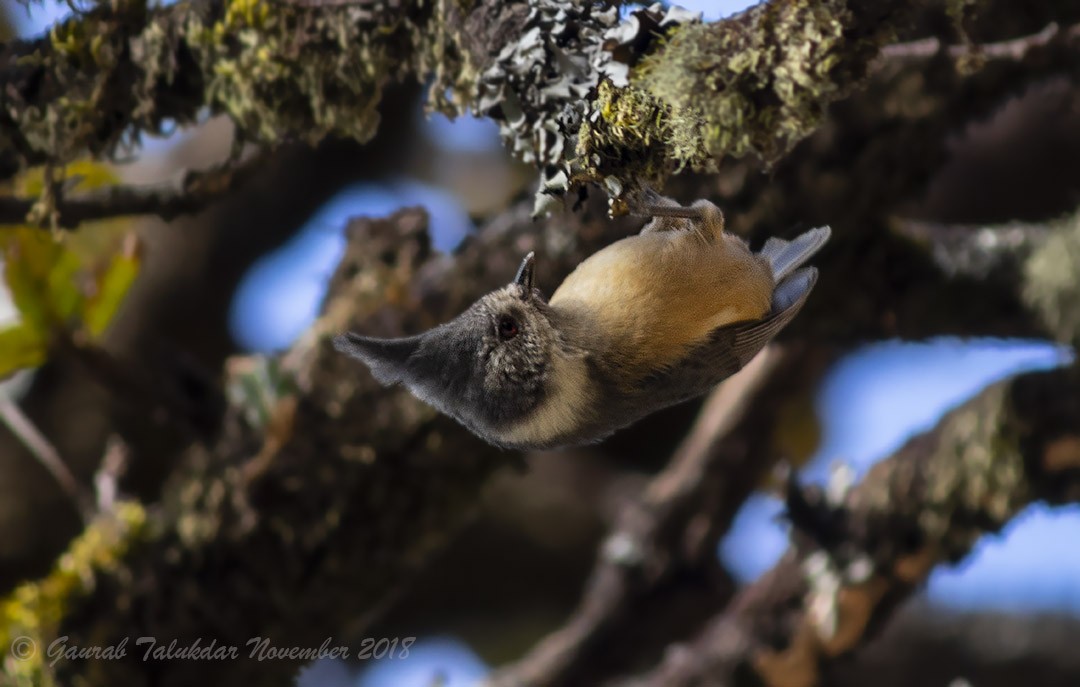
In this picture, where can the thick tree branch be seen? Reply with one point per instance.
(1015, 443)
(296, 70)
(97, 82)
(284, 71)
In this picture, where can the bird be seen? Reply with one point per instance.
(649, 321)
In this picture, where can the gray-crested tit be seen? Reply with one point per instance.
(649, 321)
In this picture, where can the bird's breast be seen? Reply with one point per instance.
(569, 403)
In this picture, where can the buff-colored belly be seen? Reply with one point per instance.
(652, 296)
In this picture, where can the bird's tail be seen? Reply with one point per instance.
(787, 256)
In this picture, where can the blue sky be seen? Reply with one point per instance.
(280, 297)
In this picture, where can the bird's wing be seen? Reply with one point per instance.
(728, 348)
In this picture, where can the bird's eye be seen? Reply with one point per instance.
(508, 327)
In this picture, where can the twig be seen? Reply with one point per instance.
(1014, 49)
(192, 192)
(648, 544)
(107, 478)
(975, 250)
(46, 454)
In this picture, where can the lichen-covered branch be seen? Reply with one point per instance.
(1042, 259)
(98, 82)
(1014, 443)
(874, 159)
(583, 96)
(753, 84)
(1050, 284)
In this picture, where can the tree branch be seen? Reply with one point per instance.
(191, 192)
(859, 172)
(284, 71)
(1015, 443)
(926, 645)
(1015, 49)
(309, 70)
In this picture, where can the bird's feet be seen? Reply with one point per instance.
(667, 215)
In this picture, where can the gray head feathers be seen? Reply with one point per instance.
(487, 368)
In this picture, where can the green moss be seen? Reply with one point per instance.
(31, 614)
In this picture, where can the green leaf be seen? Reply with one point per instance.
(28, 258)
(43, 277)
(20, 347)
(111, 286)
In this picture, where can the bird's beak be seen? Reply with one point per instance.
(387, 358)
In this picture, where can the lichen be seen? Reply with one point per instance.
(753, 85)
(760, 84)
(680, 94)
(252, 71)
(281, 71)
(1051, 287)
(538, 89)
(977, 477)
(632, 135)
(32, 612)
(76, 47)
